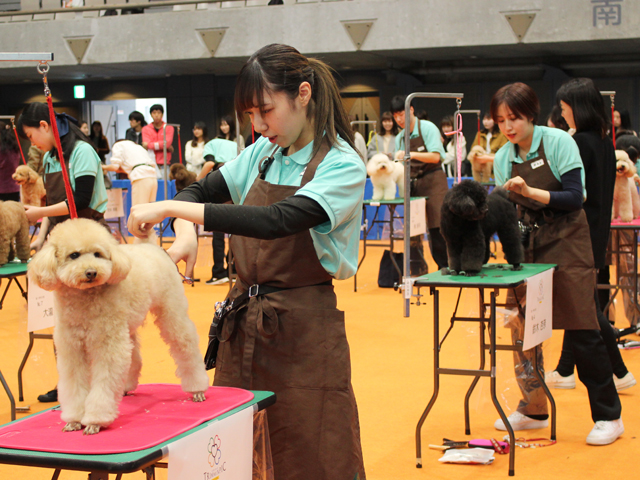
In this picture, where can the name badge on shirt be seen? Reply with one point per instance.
(536, 164)
(421, 148)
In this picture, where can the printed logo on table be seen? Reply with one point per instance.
(215, 453)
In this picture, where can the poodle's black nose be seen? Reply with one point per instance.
(90, 274)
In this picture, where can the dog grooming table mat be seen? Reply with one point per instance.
(12, 269)
(633, 223)
(153, 414)
(492, 274)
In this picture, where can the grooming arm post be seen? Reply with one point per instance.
(407, 283)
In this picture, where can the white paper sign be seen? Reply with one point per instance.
(221, 451)
(418, 217)
(115, 208)
(538, 310)
(40, 307)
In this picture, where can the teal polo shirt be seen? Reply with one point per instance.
(560, 148)
(84, 161)
(223, 150)
(338, 186)
(430, 135)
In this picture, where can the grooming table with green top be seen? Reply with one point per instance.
(11, 271)
(493, 278)
(392, 205)
(101, 466)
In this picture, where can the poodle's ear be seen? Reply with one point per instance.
(43, 268)
(120, 265)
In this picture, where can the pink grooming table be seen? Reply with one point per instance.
(155, 416)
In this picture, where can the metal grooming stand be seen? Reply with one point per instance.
(407, 281)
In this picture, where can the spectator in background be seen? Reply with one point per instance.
(556, 120)
(450, 143)
(227, 130)
(490, 139)
(622, 122)
(136, 121)
(9, 161)
(361, 144)
(100, 142)
(84, 128)
(153, 135)
(422, 114)
(384, 140)
(194, 150)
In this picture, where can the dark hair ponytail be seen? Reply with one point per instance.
(37, 112)
(281, 68)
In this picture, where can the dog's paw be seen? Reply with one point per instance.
(199, 397)
(517, 267)
(91, 429)
(448, 271)
(470, 273)
(72, 427)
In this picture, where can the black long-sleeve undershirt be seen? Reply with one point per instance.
(84, 191)
(292, 215)
(571, 196)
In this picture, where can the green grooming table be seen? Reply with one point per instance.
(11, 271)
(493, 277)
(100, 466)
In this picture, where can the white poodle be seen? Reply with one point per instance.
(626, 202)
(385, 174)
(102, 293)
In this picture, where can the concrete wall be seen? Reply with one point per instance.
(317, 28)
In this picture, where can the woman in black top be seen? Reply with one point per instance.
(99, 141)
(583, 109)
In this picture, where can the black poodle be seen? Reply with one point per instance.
(469, 218)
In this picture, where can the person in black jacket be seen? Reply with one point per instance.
(583, 109)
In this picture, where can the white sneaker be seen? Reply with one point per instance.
(555, 380)
(217, 281)
(519, 421)
(625, 382)
(605, 432)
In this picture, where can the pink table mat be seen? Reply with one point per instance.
(635, 222)
(154, 414)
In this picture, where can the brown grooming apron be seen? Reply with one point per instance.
(293, 342)
(56, 193)
(560, 239)
(428, 180)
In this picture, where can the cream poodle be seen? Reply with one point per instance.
(31, 186)
(626, 202)
(102, 293)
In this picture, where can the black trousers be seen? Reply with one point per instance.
(568, 360)
(438, 248)
(218, 270)
(594, 371)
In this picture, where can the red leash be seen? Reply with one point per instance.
(54, 125)
(179, 145)
(15, 131)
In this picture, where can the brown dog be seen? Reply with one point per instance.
(32, 190)
(182, 176)
(14, 227)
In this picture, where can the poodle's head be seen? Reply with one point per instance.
(624, 165)
(25, 174)
(380, 164)
(177, 170)
(468, 200)
(80, 254)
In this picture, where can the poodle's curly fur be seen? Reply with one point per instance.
(469, 218)
(102, 293)
(626, 202)
(182, 176)
(14, 227)
(32, 190)
(385, 175)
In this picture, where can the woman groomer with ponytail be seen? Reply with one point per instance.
(295, 221)
(83, 165)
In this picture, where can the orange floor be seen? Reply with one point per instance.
(392, 363)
